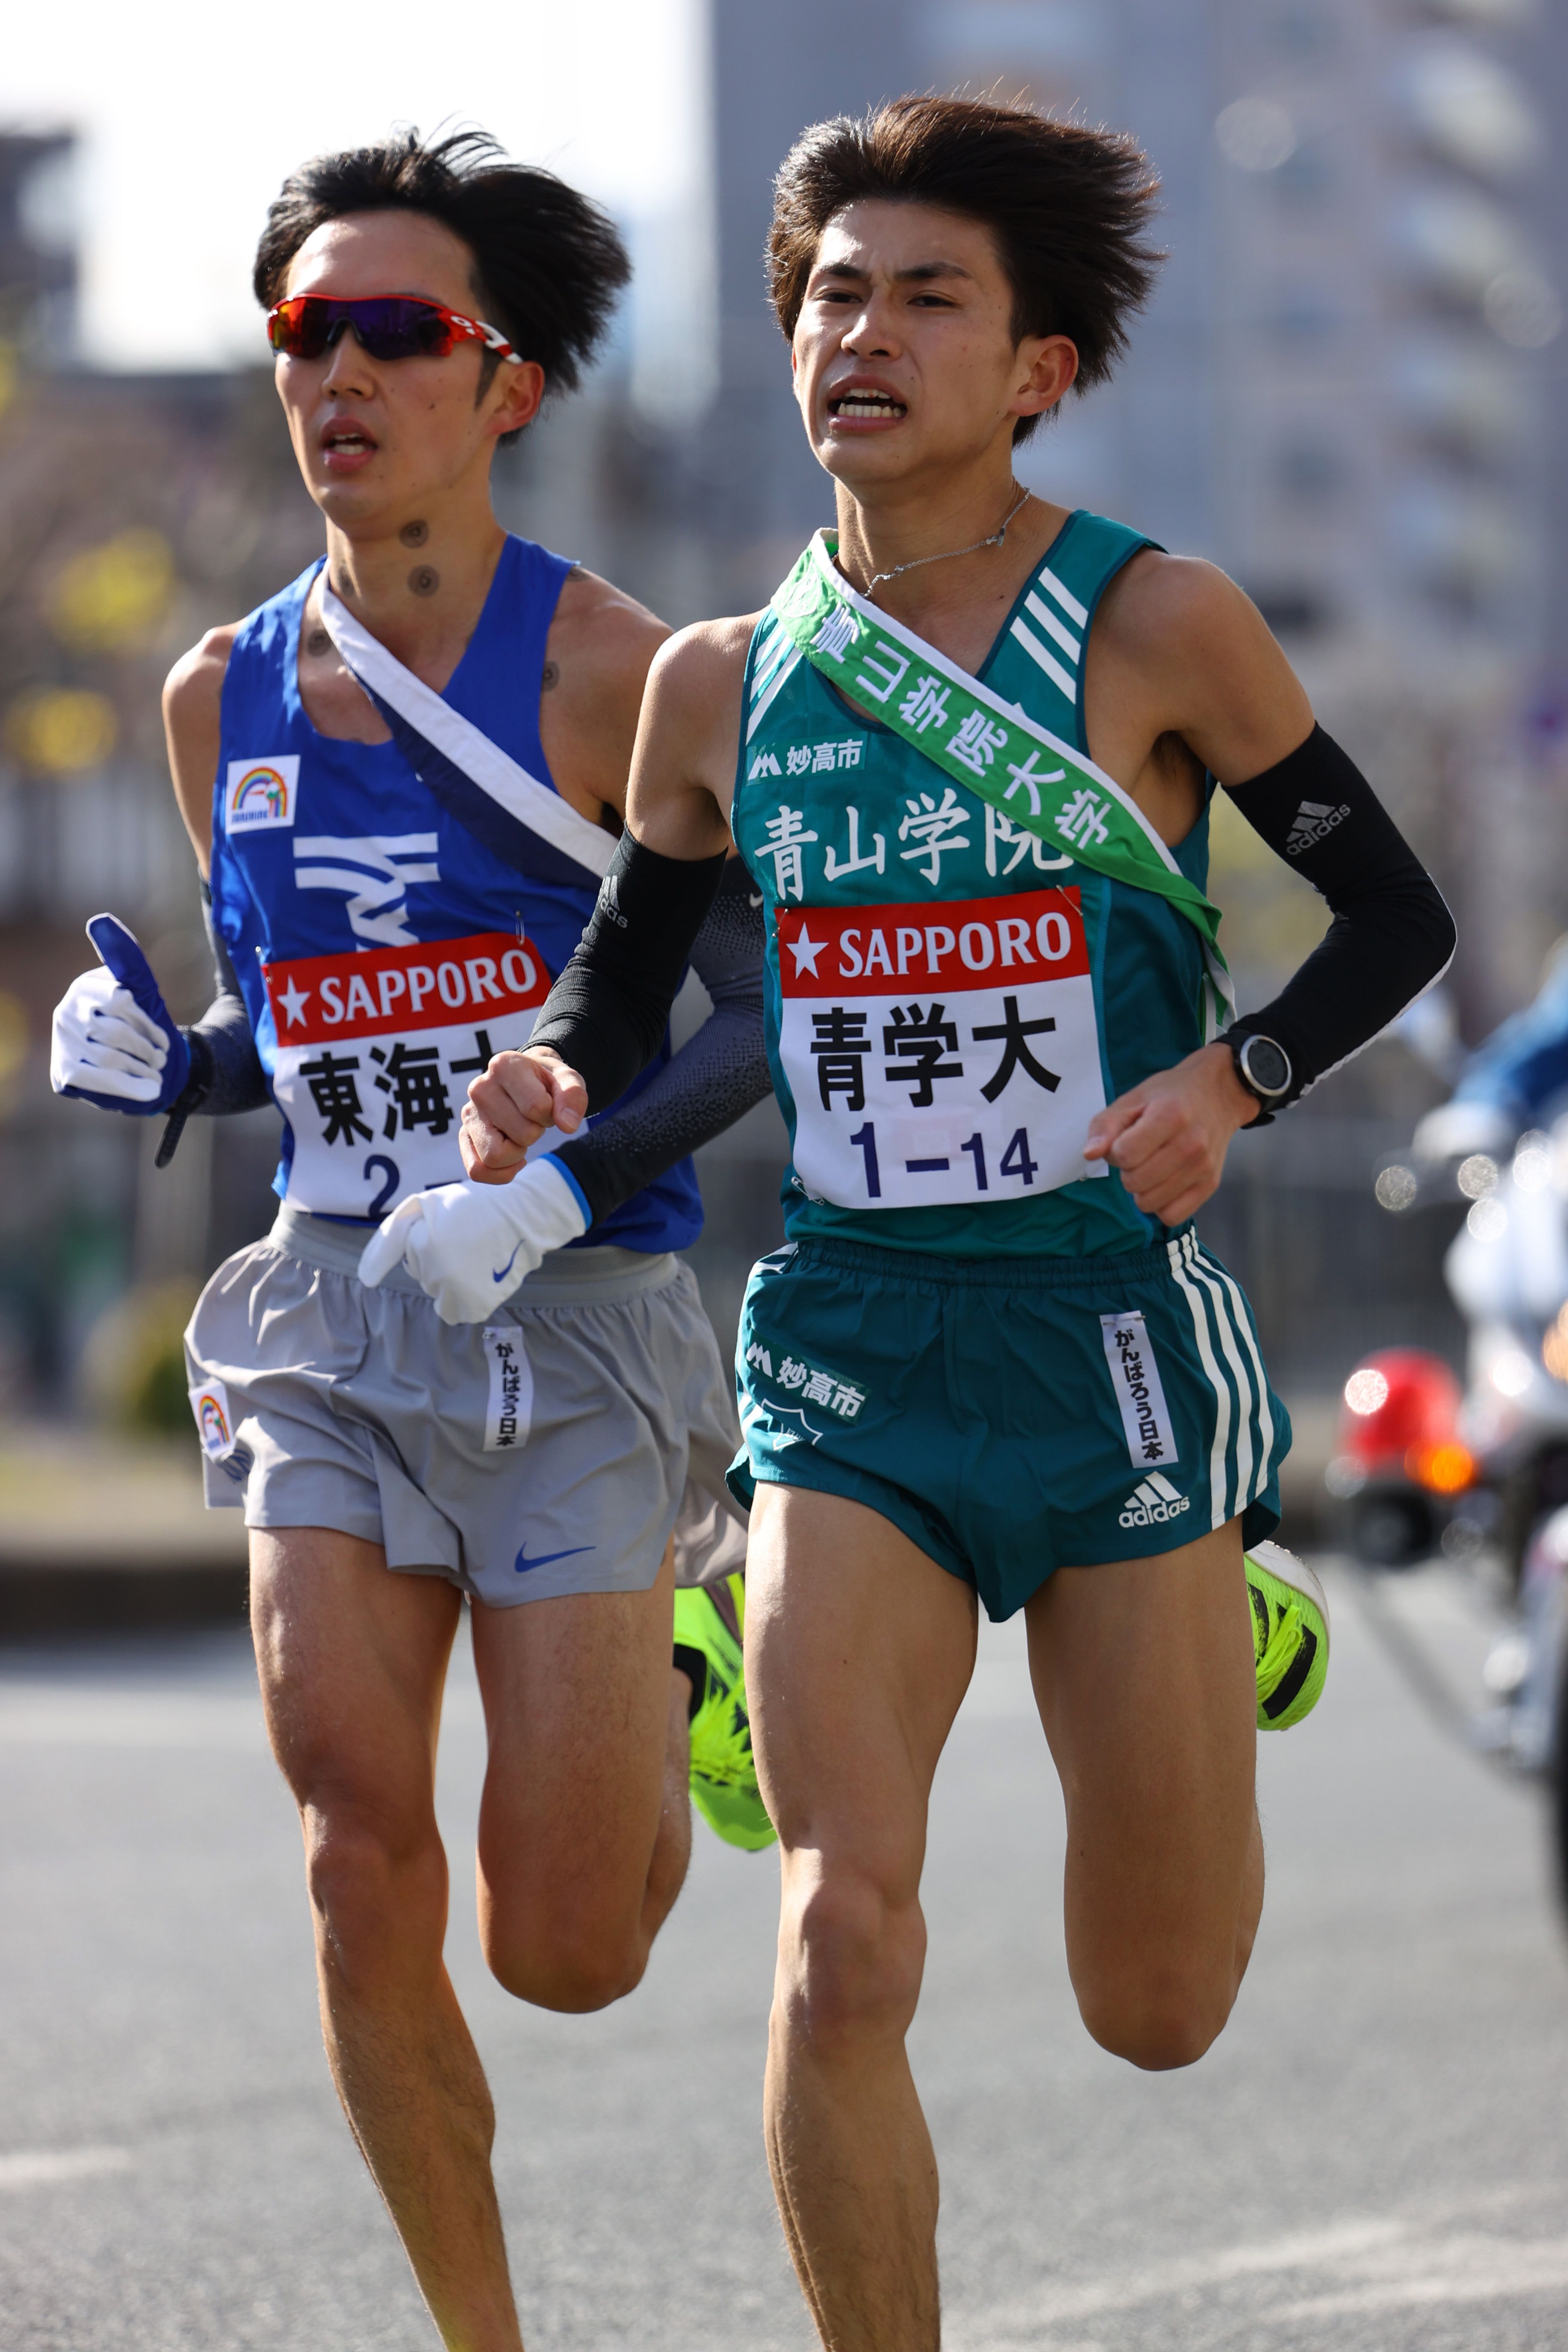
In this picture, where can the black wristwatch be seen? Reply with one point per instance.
(1263, 1069)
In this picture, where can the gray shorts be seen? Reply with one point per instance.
(552, 1450)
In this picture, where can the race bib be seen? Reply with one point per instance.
(375, 1056)
(939, 1063)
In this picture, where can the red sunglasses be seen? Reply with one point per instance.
(388, 326)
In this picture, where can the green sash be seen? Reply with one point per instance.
(988, 745)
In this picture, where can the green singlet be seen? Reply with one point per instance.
(949, 998)
(956, 985)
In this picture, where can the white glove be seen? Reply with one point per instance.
(103, 1043)
(469, 1245)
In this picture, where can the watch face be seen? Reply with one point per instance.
(1265, 1066)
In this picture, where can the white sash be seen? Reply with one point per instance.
(523, 796)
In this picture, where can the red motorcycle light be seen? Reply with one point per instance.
(1401, 1407)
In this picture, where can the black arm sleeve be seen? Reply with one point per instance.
(717, 1075)
(1391, 935)
(227, 1074)
(606, 1014)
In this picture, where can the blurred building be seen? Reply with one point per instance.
(38, 244)
(1336, 391)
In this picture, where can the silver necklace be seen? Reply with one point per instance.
(950, 555)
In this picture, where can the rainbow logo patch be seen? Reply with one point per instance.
(214, 1424)
(261, 794)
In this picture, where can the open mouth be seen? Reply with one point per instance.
(346, 441)
(866, 404)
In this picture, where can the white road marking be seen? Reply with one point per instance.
(1306, 2250)
(1388, 2264)
(1471, 2269)
(84, 1718)
(37, 2168)
(78, 1716)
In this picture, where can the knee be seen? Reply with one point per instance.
(558, 1956)
(851, 1954)
(375, 1885)
(1158, 2016)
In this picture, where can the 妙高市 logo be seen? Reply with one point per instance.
(261, 793)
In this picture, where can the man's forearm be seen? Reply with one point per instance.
(715, 1077)
(1391, 935)
(227, 1074)
(606, 1015)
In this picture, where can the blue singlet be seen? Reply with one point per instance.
(382, 953)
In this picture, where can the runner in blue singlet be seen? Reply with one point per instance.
(390, 898)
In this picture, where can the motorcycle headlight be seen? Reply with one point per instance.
(1478, 1176)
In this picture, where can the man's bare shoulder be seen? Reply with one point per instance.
(1168, 609)
(689, 740)
(600, 632)
(194, 687)
(596, 662)
(1181, 645)
(192, 727)
(705, 663)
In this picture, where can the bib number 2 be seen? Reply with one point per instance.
(379, 1164)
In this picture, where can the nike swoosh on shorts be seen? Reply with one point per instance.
(522, 1564)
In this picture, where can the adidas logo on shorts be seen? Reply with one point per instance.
(1152, 1502)
(1313, 822)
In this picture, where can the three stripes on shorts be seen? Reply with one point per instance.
(1244, 1435)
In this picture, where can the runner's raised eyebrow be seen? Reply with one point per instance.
(924, 269)
(917, 271)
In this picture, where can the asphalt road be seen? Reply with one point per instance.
(1374, 2156)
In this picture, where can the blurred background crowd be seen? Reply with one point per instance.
(1346, 392)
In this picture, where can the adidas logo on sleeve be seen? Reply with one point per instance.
(1313, 822)
(1152, 1502)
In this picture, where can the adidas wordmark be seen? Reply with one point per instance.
(1152, 1502)
(1313, 822)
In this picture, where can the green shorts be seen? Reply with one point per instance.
(1012, 1416)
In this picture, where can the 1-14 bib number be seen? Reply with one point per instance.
(939, 1063)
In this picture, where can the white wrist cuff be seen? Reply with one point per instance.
(557, 1210)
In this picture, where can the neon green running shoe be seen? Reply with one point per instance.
(1289, 1635)
(710, 1620)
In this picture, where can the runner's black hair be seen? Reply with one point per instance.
(1066, 205)
(547, 264)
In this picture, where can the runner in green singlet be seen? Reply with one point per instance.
(967, 754)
